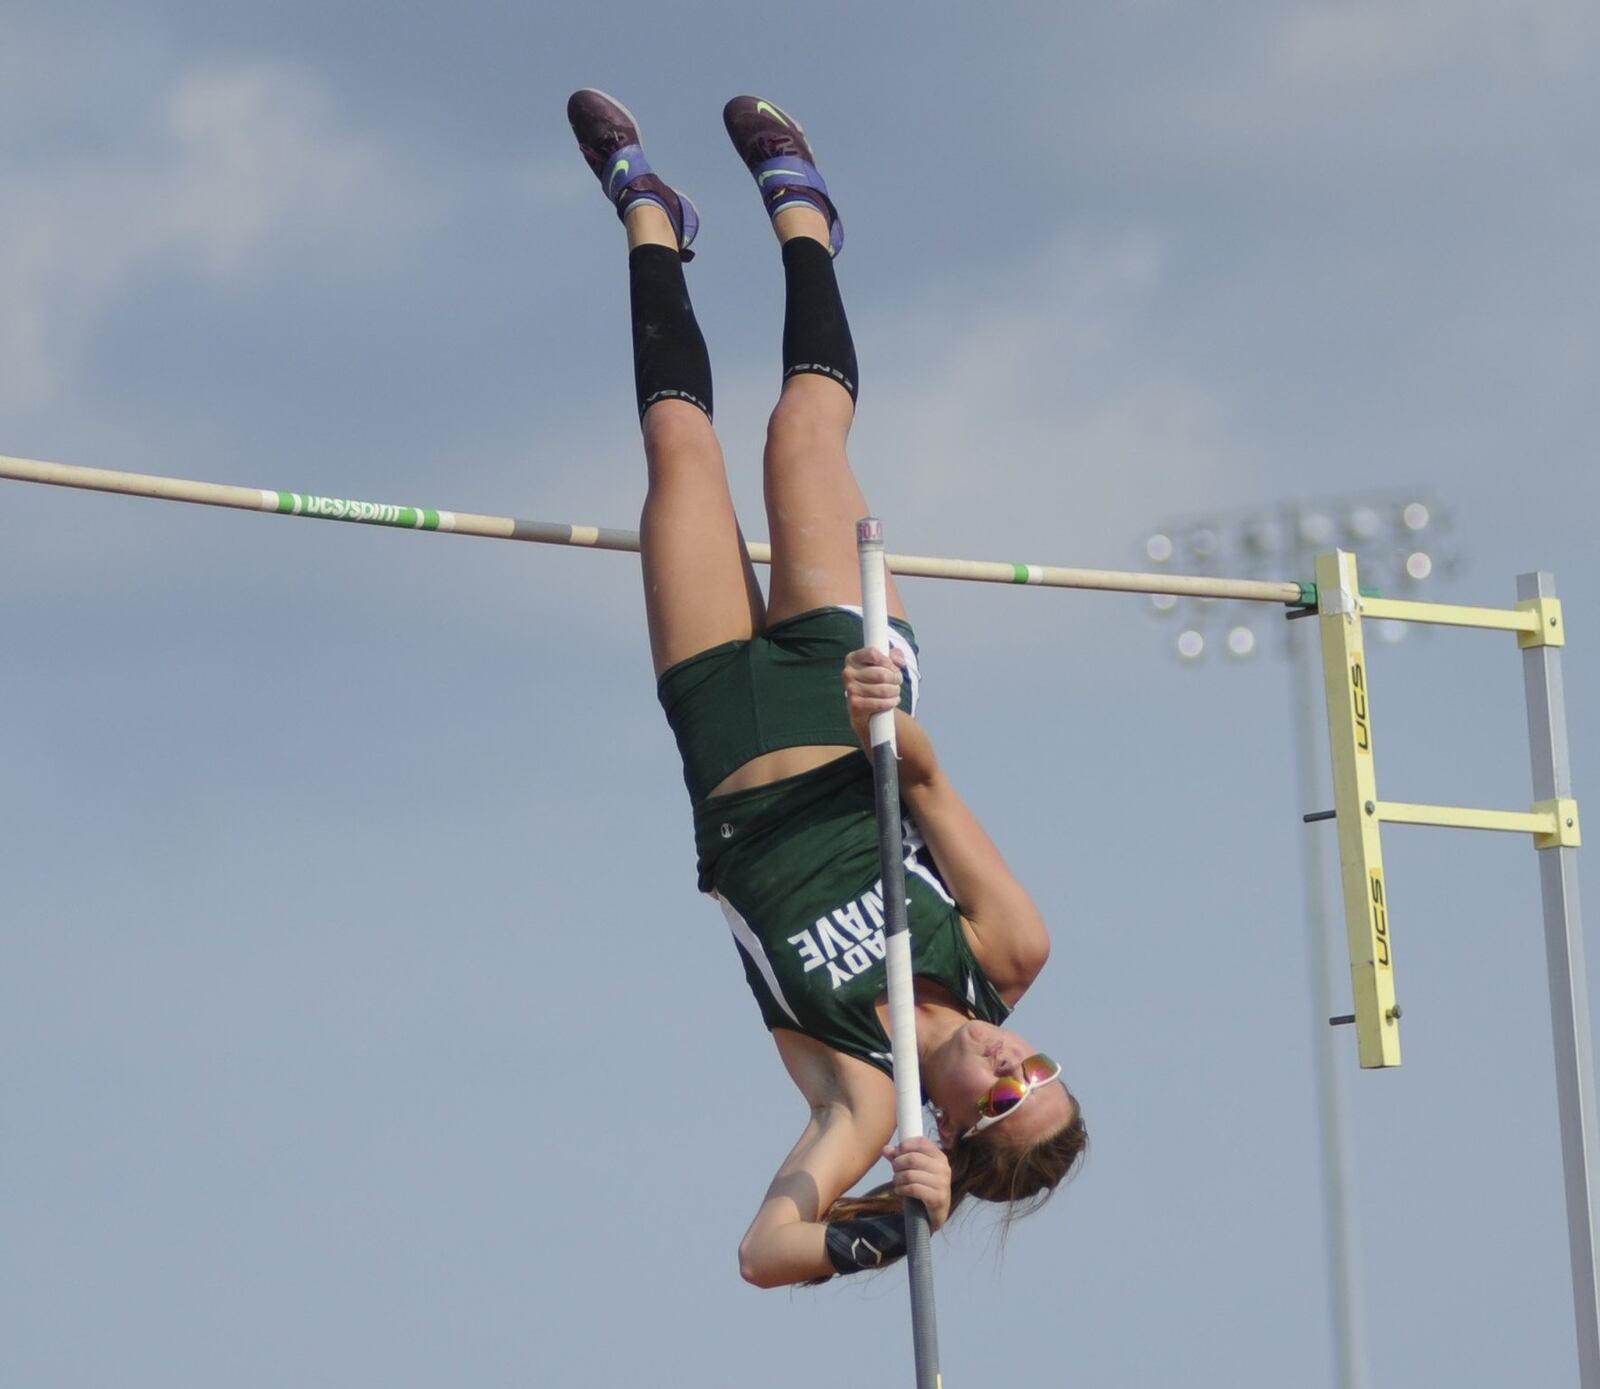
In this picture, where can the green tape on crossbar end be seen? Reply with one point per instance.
(1308, 594)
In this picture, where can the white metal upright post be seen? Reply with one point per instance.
(1569, 991)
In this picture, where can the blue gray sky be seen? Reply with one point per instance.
(360, 1022)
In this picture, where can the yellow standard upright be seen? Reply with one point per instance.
(1355, 798)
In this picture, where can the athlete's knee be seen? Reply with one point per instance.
(811, 413)
(675, 429)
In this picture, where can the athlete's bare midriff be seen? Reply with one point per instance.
(775, 766)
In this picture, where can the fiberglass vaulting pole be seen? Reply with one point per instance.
(897, 942)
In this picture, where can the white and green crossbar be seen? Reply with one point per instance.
(420, 518)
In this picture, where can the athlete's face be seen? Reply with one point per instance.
(977, 1055)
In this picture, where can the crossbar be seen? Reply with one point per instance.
(171, 489)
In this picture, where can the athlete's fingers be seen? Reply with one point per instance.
(914, 1168)
(925, 1162)
(883, 696)
(931, 1196)
(883, 677)
(871, 688)
(933, 1191)
(877, 684)
(870, 656)
(921, 1169)
(875, 689)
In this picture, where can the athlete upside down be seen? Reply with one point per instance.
(783, 804)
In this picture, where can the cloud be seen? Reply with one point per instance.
(255, 157)
(224, 172)
(1037, 413)
(1363, 42)
(1050, 413)
(1335, 94)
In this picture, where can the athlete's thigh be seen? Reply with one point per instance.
(699, 587)
(813, 504)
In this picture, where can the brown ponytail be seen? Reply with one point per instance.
(1020, 1178)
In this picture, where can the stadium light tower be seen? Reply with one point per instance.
(1401, 540)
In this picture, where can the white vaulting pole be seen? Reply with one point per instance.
(897, 942)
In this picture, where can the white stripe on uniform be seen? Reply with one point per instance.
(752, 947)
(914, 844)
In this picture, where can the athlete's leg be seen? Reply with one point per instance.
(813, 498)
(699, 587)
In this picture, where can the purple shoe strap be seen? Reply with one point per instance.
(685, 217)
(691, 224)
(791, 172)
(623, 168)
(788, 171)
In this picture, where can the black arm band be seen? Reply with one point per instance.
(870, 1241)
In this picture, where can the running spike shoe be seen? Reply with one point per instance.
(608, 139)
(778, 155)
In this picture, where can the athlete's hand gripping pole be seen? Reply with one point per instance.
(897, 941)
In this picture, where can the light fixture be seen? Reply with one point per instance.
(1264, 537)
(1316, 530)
(1363, 523)
(1202, 542)
(1400, 540)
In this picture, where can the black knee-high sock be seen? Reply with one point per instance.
(670, 361)
(816, 333)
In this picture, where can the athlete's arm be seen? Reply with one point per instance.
(786, 1242)
(852, 1118)
(1008, 933)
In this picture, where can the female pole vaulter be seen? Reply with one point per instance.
(782, 797)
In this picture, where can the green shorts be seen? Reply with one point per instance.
(731, 703)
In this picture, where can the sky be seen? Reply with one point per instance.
(360, 1023)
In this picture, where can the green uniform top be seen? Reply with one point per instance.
(795, 867)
